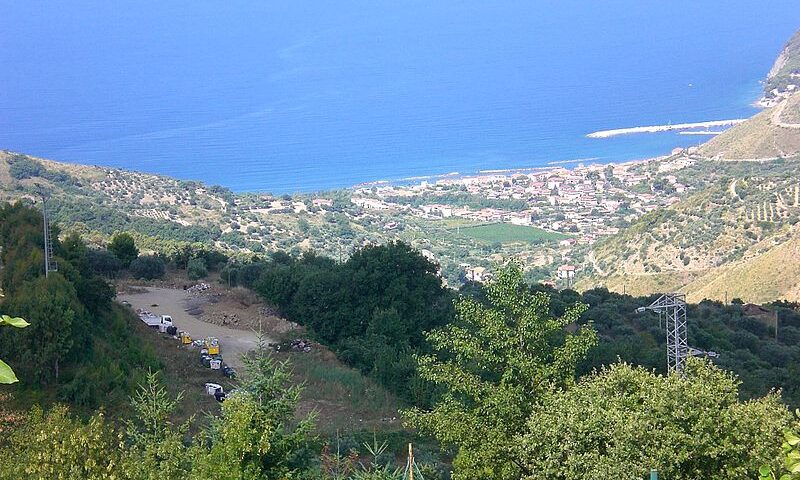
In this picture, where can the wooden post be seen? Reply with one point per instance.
(410, 462)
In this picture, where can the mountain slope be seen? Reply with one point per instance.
(773, 133)
(771, 275)
(740, 235)
(786, 69)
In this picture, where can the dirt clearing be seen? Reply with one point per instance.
(174, 302)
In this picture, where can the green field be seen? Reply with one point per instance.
(508, 233)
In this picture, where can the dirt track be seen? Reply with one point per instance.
(233, 342)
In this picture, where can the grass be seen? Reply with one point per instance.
(344, 399)
(509, 233)
(182, 372)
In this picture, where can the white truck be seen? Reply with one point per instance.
(161, 322)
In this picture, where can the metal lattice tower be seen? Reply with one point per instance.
(50, 264)
(672, 308)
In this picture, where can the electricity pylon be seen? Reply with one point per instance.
(672, 308)
(50, 264)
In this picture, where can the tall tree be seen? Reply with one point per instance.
(156, 449)
(257, 436)
(57, 325)
(123, 246)
(495, 363)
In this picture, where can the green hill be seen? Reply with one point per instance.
(786, 69)
(773, 133)
(736, 236)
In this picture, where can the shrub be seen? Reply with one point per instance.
(148, 267)
(196, 269)
(124, 248)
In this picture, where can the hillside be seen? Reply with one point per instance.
(784, 72)
(737, 234)
(736, 237)
(773, 133)
(165, 214)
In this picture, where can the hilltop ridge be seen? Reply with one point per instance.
(784, 73)
(773, 133)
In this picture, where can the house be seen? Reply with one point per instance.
(567, 242)
(322, 202)
(566, 272)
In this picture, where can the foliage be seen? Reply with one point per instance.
(22, 167)
(6, 373)
(103, 262)
(155, 447)
(78, 347)
(148, 267)
(371, 310)
(55, 446)
(495, 363)
(622, 421)
(196, 269)
(256, 435)
(790, 453)
(124, 248)
(58, 321)
(747, 344)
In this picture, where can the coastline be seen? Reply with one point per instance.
(549, 166)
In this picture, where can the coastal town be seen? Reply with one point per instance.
(583, 204)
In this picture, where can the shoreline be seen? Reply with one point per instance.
(663, 128)
(549, 166)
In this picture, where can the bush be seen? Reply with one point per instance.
(148, 267)
(103, 262)
(196, 269)
(124, 248)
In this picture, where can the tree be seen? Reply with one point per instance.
(103, 262)
(622, 421)
(257, 436)
(196, 269)
(790, 452)
(6, 373)
(148, 267)
(124, 248)
(57, 326)
(156, 448)
(495, 363)
(56, 446)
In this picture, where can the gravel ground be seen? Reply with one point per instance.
(174, 302)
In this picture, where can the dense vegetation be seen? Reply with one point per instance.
(746, 344)
(514, 410)
(78, 346)
(371, 309)
(363, 309)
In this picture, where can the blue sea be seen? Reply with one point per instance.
(298, 95)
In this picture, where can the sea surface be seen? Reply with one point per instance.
(298, 95)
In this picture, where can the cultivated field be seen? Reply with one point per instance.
(508, 233)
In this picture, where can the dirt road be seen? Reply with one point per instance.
(169, 301)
